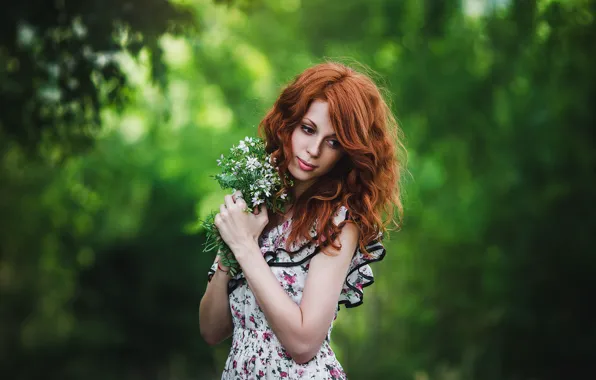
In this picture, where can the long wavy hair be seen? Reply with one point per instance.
(366, 180)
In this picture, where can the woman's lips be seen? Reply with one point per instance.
(304, 166)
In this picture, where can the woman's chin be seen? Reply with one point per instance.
(300, 175)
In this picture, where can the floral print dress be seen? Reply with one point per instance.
(256, 353)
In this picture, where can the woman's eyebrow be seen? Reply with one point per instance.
(312, 122)
(315, 125)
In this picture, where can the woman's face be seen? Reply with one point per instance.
(315, 148)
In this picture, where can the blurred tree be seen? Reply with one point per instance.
(500, 131)
(58, 65)
(490, 277)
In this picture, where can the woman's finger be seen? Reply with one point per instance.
(239, 199)
(241, 203)
(222, 209)
(229, 201)
(263, 214)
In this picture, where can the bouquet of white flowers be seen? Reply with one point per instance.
(247, 168)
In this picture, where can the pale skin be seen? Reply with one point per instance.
(301, 328)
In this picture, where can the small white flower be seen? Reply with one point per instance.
(256, 202)
(252, 163)
(242, 146)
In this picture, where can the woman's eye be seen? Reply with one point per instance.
(334, 144)
(308, 129)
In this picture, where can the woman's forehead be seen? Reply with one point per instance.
(318, 114)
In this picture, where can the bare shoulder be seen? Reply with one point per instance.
(347, 241)
(327, 271)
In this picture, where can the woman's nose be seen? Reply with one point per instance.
(313, 149)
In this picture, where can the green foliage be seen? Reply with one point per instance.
(101, 268)
(59, 66)
(248, 169)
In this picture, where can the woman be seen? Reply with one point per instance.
(334, 134)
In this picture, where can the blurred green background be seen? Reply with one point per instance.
(112, 117)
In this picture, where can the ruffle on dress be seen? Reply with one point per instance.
(360, 274)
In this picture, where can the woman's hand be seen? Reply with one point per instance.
(237, 227)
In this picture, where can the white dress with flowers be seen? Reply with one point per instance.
(256, 353)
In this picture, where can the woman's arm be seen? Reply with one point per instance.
(301, 329)
(215, 317)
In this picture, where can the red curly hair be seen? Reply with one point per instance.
(366, 179)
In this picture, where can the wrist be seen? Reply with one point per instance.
(221, 275)
(222, 268)
(246, 250)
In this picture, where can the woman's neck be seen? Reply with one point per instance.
(300, 187)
